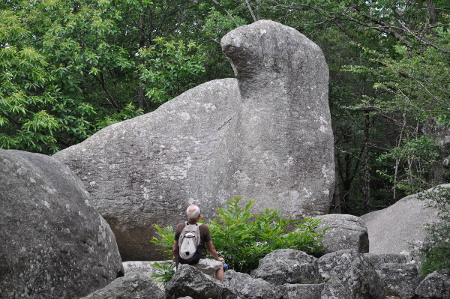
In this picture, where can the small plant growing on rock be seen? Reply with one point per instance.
(164, 270)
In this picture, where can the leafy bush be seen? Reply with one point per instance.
(242, 238)
(435, 252)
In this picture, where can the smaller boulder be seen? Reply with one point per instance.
(131, 286)
(303, 291)
(288, 266)
(399, 279)
(248, 287)
(189, 281)
(344, 232)
(435, 285)
(348, 275)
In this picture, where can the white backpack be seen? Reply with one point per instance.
(189, 249)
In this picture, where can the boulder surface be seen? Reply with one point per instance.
(53, 243)
(265, 136)
(401, 226)
(343, 232)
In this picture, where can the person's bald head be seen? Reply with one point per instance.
(193, 212)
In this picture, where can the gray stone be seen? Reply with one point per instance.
(435, 285)
(188, 281)
(53, 243)
(378, 259)
(399, 279)
(285, 137)
(303, 291)
(348, 275)
(247, 287)
(265, 136)
(144, 267)
(288, 266)
(139, 266)
(344, 232)
(399, 227)
(132, 286)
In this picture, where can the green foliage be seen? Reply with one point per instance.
(164, 271)
(170, 67)
(435, 252)
(128, 112)
(243, 238)
(164, 239)
(415, 160)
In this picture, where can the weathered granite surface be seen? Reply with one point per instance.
(53, 243)
(265, 136)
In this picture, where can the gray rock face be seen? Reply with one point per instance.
(131, 286)
(285, 136)
(53, 243)
(247, 286)
(344, 232)
(303, 291)
(348, 275)
(435, 285)
(288, 266)
(188, 281)
(265, 136)
(396, 228)
(399, 279)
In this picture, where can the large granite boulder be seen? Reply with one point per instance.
(285, 141)
(265, 136)
(53, 243)
(400, 227)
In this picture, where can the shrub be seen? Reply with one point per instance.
(242, 238)
(435, 252)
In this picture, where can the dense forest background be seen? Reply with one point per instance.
(71, 67)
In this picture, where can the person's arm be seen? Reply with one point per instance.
(212, 251)
(175, 251)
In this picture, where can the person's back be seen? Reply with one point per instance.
(208, 266)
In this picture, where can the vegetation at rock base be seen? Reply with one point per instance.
(243, 238)
(435, 253)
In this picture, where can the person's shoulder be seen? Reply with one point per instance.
(180, 226)
(203, 227)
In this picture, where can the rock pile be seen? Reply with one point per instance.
(289, 274)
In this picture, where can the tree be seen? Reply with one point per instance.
(83, 69)
(27, 90)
